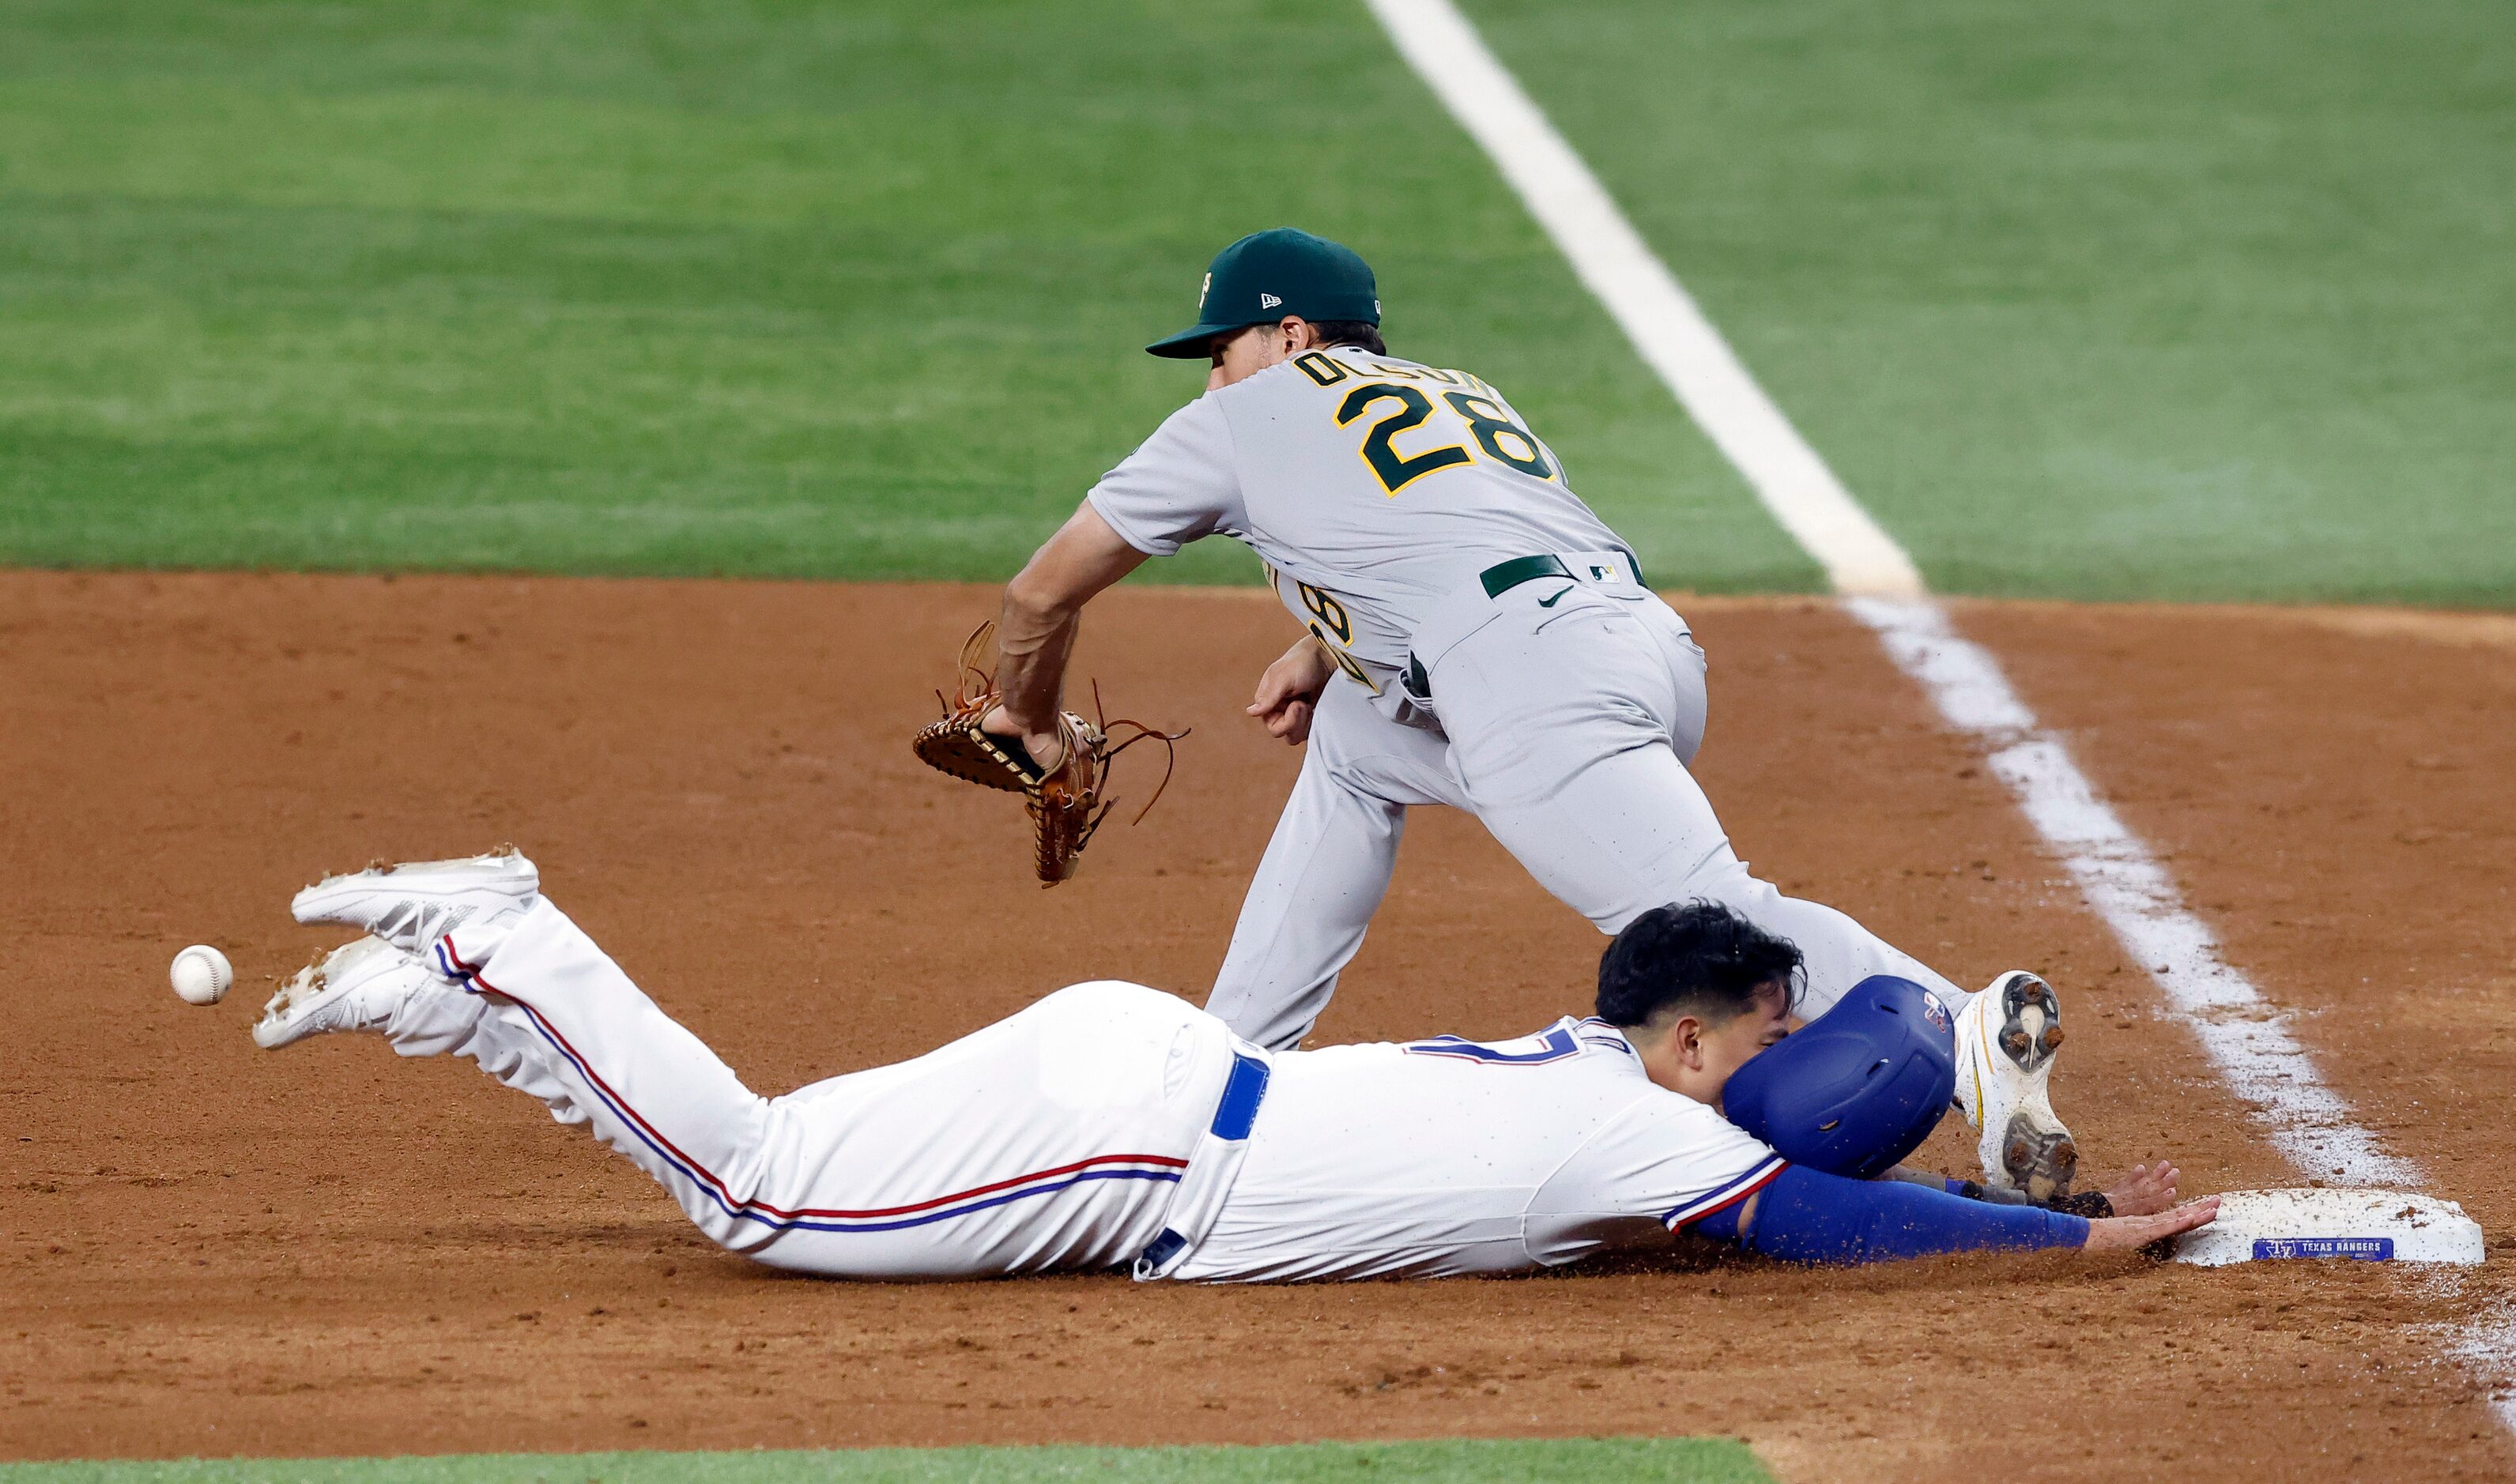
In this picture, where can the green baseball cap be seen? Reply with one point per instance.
(1270, 274)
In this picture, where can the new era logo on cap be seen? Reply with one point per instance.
(1268, 301)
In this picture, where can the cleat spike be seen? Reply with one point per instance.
(2007, 1038)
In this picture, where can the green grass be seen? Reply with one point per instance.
(1628, 1461)
(2144, 300)
(850, 291)
(2139, 299)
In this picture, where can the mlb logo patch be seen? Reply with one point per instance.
(1937, 1014)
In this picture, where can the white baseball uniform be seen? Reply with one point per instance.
(1499, 654)
(1107, 1124)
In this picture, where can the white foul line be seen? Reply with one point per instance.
(2245, 1038)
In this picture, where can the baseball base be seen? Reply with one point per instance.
(2369, 1225)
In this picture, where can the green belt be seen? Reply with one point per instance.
(1503, 576)
(1498, 579)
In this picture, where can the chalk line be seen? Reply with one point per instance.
(2485, 1344)
(2245, 1038)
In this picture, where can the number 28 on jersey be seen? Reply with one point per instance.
(1389, 406)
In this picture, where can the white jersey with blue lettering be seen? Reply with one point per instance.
(1444, 1157)
(1372, 487)
(1106, 1124)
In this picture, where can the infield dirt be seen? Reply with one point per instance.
(211, 1250)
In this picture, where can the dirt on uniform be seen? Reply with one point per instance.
(212, 1249)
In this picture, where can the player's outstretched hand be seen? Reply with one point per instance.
(2123, 1233)
(2148, 1190)
(1289, 691)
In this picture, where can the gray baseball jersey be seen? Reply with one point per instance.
(1372, 487)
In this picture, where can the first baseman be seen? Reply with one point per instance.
(1472, 635)
(1114, 1125)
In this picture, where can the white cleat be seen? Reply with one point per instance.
(414, 905)
(2006, 1038)
(356, 987)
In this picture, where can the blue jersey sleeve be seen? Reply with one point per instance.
(1805, 1217)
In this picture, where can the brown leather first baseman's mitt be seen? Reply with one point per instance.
(1065, 801)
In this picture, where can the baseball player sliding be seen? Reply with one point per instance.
(1472, 636)
(1110, 1125)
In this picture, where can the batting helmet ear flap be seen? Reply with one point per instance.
(1856, 1089)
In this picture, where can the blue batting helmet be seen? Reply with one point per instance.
(1857, 1088)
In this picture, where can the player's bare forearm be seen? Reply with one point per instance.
(1043, 612)
(1034, 638)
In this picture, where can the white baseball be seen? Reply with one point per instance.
(201, 974)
